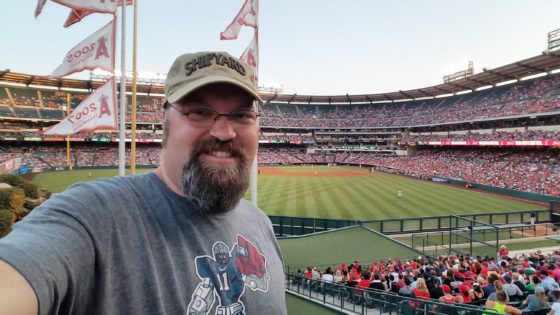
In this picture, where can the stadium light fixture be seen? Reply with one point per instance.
(507, 82)
(44, 87)
(532, 76)
(444, 95)
(485, 87)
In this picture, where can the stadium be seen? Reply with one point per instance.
(480, 143)
(402, 183)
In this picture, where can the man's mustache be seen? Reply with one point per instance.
(209, 145)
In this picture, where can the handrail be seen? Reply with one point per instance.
(369, 301)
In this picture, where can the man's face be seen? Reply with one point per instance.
(209, 164)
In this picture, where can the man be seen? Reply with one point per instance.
(166, 242)
(511, 289)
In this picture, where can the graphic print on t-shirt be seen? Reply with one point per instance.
(225, 274)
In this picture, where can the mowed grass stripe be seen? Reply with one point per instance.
(349, 201)
(354, 197)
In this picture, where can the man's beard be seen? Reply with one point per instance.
(212, 188)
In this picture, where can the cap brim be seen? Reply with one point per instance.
(207, 80)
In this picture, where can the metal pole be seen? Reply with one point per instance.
(133, 114)
(122, 144)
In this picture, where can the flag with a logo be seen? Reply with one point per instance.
(100, 6)
(251, 57)
(97, 111)
(95, 52)
(247, 16)
(76, 15)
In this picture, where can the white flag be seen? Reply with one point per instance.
(39, 8)
(96, 51)
(101, 6)
(251, 57)
(97, 111)
(76, 15)
(105, 6)
(248, 16)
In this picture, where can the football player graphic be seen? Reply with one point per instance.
(225, 275)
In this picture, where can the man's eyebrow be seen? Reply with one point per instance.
(191, 99)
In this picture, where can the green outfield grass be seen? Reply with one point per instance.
(371, 196)
(342, 193)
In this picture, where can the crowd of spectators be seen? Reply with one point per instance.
(493, 136)
(524, 283)
(523, 98)
(539, 96)
(534, 171)
(287, 138)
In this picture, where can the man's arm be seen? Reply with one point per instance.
(16, 294)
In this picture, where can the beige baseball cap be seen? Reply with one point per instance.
(194, 70)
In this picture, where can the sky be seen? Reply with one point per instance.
(308, 47)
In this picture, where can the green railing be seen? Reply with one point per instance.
(292, 226)
(369, 301)
(429, 224)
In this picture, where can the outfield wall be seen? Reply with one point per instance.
(505, 191)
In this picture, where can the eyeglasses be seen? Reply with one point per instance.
(206, 117)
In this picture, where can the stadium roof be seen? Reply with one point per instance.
(544, 63)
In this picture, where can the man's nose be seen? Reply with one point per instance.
(222, 129)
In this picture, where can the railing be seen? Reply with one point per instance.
(428, 224)
(369, 301)
(292, 226)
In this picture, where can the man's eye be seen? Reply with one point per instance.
(243, 115)
(199, 114)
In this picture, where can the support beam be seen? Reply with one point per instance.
(529, 67)
(405, 94)
(292, 98)
(509, 77)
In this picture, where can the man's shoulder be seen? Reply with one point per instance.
(115, 185)
(100, 194)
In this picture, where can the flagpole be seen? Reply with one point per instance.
(122, 143)
(133, 114)
(254, 168)
(68, 160)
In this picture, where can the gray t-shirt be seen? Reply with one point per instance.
(129, 245)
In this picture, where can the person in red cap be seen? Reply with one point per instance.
(503, 252)
(447, 297)
(466, 293)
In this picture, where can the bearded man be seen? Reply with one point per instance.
(158, 243)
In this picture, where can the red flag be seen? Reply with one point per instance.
(76, 15)
(96, 51)
(97, 111)
(251, 57)
(250, 260)
(247, 16)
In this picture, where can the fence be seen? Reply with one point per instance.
(291, 226)
(429, 224)
(370, 301)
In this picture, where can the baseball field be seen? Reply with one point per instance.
(341, 193)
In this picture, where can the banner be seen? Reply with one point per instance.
(97, 111)
(39, 8)
(251, 57)
(538, 143)
(76, 15)
(247, 16)
(96, 51)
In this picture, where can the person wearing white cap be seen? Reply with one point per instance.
(180, 240)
